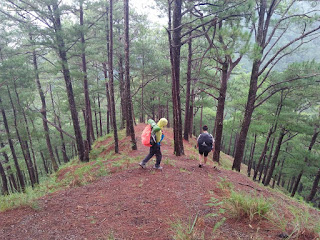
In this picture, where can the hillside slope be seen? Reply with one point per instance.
(135, 203)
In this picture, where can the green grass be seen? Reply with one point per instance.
(183, 170)
(29, 197)
(168, 161)
(244, 205)
(303, 223)
(224, 184)
(186, 231)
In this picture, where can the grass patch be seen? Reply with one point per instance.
(183, 170)
(224, 184)
(29, 197)
(243, 205)
(304, 225)
(169, 162)
(186, 231)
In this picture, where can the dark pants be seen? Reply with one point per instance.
(154, 150)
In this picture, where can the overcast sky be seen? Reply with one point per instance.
(145, 7)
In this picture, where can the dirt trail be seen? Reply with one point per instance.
(137, 203)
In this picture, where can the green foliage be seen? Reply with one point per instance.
(242, 205)
(183, 231)
(213, 202)
(224, 184)
(30, 196)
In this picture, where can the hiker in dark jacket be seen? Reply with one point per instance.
(205, 144)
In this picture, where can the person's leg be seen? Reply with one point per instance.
(200, 158)
(158, 154)
(149, 156)
(205, 157)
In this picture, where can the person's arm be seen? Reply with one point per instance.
(197, 141)
(213, 147)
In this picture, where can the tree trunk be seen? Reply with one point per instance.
(251, 155)
(314, 187)
(247, 117)
(313, 140)
(142, 120)
(57, 154)
(280, 172)
(109, 116)
(23, 144)
(5, 189)
(275, 157)
(43, 109)
(44, 163)
(96, 119)
(66, 74)
(191, 112)
(175, 46)
(129, 116)
(34, 163)
(262, 156)
(13, 183)
(110, 63)
(56, 117)
(100, 118)
(220, 111)
(88, 115)
(230, 141)
(263, 24)
(122, 92)
(291, 183)
(201, 117)
(187, 109)
(235, 145)
(266, 168)
(13, 152)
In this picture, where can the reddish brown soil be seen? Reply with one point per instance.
(135, 203)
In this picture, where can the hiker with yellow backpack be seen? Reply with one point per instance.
(152, 136)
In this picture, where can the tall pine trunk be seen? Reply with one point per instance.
(220, 111)
(251, 155)
(67, 78)
(175, 47)
(57, 119)
(187, 109)
(5, 188)
(88, 113)
(260, 41)
(313, 140)
(13, 152)
(11, 177)
(129, 116)
(23, 144)
(43, 109)
(275, 157)
(110, 63)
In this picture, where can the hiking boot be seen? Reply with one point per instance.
(159, 167)
(142, 165)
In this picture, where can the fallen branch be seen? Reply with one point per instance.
(250, 186)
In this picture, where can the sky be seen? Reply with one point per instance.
(148, 7)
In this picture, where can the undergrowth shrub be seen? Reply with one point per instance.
(186, 231)
(29, 197)
(303, 225)
(243, 205)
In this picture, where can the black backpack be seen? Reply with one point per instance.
(205, 142)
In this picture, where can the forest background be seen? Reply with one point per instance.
(75, 71)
